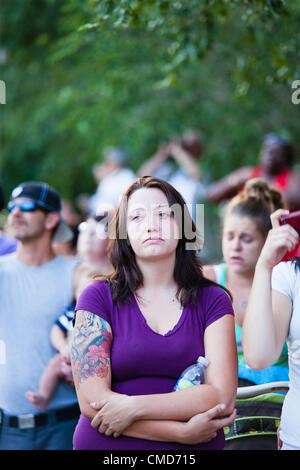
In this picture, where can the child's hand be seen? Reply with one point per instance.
(66, 369)
(66, 354)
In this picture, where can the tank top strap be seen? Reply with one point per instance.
(220, 272)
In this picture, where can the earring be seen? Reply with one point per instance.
(127, 242)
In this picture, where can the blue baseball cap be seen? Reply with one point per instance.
(48, 199)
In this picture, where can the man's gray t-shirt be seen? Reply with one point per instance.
(31, 299)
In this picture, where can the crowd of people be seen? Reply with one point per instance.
(101, 312)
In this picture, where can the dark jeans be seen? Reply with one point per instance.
(58, 436)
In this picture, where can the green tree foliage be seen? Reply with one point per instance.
(190, 28)
(81, 75)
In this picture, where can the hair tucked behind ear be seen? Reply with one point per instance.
(256, 201)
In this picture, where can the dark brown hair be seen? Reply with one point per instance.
(126, 277)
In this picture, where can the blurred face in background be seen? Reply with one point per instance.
(273, 157)
(92, 241)
(242, 243)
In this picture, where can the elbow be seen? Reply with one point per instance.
(87, 411)
(229, 403)
(227, 398)
(256, 361)
(227, 392)
(84, 403)
(229, 406)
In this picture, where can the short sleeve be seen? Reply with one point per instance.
(282, 279)
(216, 303)
(96, 298)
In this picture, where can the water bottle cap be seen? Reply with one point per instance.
(202, 361)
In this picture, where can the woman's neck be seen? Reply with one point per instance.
(239, 279)
(157, 274)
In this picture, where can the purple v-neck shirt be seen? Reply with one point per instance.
(145, 362)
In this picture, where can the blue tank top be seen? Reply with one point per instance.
(32, 298)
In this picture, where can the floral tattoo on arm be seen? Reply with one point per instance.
(90, 350)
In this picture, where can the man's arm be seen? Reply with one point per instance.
(151, 165)
(228, 186)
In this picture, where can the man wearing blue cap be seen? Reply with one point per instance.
(36, 287)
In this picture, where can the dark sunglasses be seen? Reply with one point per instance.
(98, 218)
(24, 206)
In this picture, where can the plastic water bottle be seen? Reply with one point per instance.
(193, 375)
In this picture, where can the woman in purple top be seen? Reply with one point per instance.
(137, 329)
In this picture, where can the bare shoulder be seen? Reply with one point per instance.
(83, 276)
(209, 272)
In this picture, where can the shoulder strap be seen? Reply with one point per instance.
(222, 280)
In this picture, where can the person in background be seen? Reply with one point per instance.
(8, 244)
(92, 253)
(58, 367)
(92, 248)
(274, 305)
(276, 167)
(73, 219)
(246, 224)
(158, 308)
(177, 163)
(36, 285)
(113, 177)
